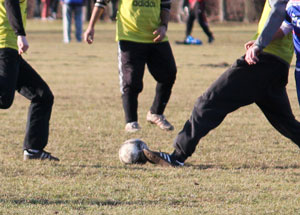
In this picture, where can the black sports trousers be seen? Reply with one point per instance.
(17, 74)
(161, 64)
(263, 84)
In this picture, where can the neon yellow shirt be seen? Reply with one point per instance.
(137, 19)
(282, 48)
(8, 38)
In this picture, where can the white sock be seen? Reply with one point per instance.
(33, 150)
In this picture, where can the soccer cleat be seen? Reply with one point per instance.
(161, 159)
(132, 127)
(211, 39)
(189, 40)
(30, 154)
(160, 121)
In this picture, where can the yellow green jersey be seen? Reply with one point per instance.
(282, 48)
(138, 19)
(8, 38)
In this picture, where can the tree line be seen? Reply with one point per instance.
(217, 10)
(234, 10)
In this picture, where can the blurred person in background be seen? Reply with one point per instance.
(196, 10)
(176, 11)
(114, 5)
(45, 9)
(70, 7)
(53, 9)
(17, 75)
(37, 9)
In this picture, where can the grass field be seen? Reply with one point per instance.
(242, 167)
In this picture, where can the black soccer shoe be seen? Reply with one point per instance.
(39, 155)
(161, 158)
(211, 39)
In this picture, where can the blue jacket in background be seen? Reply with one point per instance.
(80, 2)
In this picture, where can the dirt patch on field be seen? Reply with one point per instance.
(217, 65)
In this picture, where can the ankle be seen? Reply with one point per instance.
(176, 155)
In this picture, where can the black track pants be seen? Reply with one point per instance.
(17, 74)
(161, 64)
(263, 84)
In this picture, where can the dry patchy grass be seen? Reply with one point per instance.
(242, 167)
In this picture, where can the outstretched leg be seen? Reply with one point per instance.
(240, 85)
(277, 109)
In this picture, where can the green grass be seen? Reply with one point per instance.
(242, 167)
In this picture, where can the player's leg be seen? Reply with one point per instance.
(34, 88)
(45, 9)
(229, 92)
(297, 79)
(132, 58)
(67, 21)
(162, 66)
(240, 85)
(53, 8)
(190, 22)
(9, 71)
(201, 17)
(78, 22)
(37, 9)
(277, 109)
(114, 5)
(235, 88)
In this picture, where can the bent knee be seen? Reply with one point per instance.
(132, 89)
(48, 98)
(168, 79)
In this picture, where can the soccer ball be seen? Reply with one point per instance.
(131, 152)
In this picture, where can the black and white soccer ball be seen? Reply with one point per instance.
(131, 152)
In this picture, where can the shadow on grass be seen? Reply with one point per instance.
(150, 168)
(77, 202)
(128, 166)
(243, 166)
(217, 65)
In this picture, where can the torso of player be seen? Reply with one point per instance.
(293, 11)
(8, 39)
(282, 48)
(137, 19)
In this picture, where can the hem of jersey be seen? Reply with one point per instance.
(139, 41)
(8, 46)
(285, 61)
